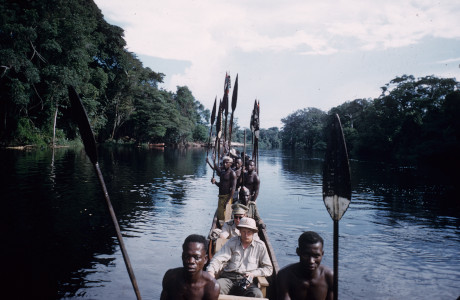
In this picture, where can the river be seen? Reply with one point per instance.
(399, 238)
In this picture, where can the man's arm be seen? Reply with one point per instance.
(330, 284)
(233, 184)
(225, 233)
(265, 265)
(256, 187)
(212, 290)
(219, 259)
(213, 181)
(282, 288)
(166, 279)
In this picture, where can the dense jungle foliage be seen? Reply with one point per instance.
(413, 120)
(50, 44)
(47, 45)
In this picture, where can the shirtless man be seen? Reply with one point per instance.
(191, 282)
(252, 181)
(227, 185)
(307, 279)
(238, 169)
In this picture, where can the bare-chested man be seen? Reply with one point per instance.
(251, 181)
(191, 282)
(307, 279)
(227, 185)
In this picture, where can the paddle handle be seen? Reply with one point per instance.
(117, 229)
(336, 259)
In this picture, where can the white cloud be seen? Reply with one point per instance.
(219, 36)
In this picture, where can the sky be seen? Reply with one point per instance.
(290, 54)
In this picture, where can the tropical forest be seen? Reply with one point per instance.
(46, 46)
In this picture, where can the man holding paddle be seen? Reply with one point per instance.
(252, 181)
(307, 279)
(227, 185)
(191, 282)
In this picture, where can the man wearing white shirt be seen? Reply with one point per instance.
(242, 257)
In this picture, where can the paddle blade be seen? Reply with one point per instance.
(235, 94)
(336, 172)
(213, 114)
(219, 121)
(225, 99)
(81, 118)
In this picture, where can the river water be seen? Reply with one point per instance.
(399, 239)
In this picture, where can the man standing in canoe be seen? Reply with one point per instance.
(307, 279)
(191, 282)
(252, 181)
(242, 258)
(226, 186)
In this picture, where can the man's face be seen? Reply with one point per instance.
(227, 164)
(251, 166)
(246, 234)
(310, 256)
(237, 219)
(238, 163)
(194, 258)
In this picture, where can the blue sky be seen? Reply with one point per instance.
(289, 54)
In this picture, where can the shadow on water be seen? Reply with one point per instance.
(50, 221)
(57, 224)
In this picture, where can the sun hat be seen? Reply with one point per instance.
(233, 153)
(248, 223)
(239, 209)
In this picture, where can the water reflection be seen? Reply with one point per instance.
(400, 236)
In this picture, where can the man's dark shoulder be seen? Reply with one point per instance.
(328, 273)
(173, 272)
(288, 271)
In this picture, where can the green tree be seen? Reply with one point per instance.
(304, 129)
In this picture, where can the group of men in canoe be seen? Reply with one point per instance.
(237, 182)
(306, 279)
(244, 256)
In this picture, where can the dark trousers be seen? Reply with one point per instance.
(229, 286)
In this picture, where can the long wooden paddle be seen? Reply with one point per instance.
(336, 185)
(80, 116)
(225, 107)
(234, 100)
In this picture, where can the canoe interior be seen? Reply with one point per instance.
(271, 293)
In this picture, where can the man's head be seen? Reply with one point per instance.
(238, 163)
(247, 229)
(227, 161)
(251, 165)
(310, 250)
(239, 211)
(244, 194)
(194, 255)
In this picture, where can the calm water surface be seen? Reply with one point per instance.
(399, 238)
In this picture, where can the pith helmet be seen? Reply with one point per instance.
(248, 223)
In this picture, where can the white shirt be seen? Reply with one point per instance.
(233, 258)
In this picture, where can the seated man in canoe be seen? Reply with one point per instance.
(306, 279)
(191, 282)
(230, 229)
(241, 259)
(252, 212)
